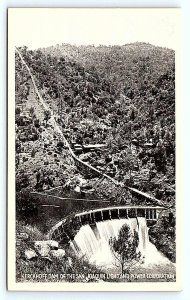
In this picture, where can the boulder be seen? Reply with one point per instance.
(54, 245)
(60, 253)
(30, 254)
(42, 248)
(77, 189)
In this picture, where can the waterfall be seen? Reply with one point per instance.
(93, 242)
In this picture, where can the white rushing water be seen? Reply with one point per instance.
(93, 242)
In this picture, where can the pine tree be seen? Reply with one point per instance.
(124, 248)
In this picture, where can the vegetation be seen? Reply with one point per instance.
(124, 248)
(163, 235)
(54, 268)
(120, 96)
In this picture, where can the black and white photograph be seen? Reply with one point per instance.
(92, 177)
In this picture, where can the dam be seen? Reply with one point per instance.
(96, 227)
(121, 212)
(92, 217)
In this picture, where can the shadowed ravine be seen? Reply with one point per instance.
(93, 243)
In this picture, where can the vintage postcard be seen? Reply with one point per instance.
(94, 147)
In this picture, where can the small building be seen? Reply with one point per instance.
(92, 147)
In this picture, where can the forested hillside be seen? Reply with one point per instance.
(120, 96)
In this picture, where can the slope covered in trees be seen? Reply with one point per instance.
(120, 96)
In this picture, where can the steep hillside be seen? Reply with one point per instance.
(41, 160)
(122, 97)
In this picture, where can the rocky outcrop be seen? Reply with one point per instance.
(45, 249)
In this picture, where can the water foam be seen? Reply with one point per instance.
(93, 242)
